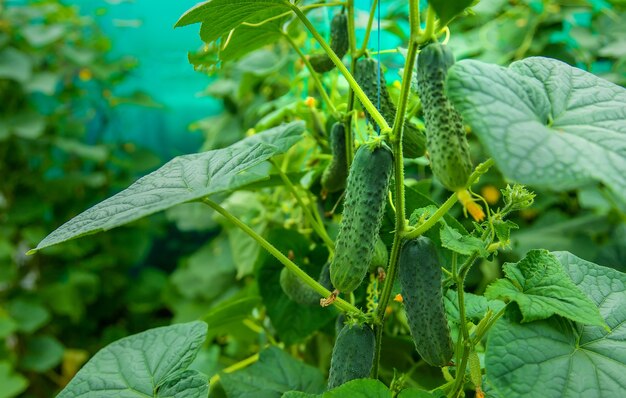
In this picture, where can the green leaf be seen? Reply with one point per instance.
(359, 388)
(275, 373)
(219, 17)
(446, 10)
(541, 288)
(227, 315)
(463, 244)
(28, 315)
(475, 309)
(246, 39)
(183, 179)
(12, 383)
(15, 65)
(148, 364)
(42, 354)
(544, 122)
(415, 393)
(558, 358)
(186, 384)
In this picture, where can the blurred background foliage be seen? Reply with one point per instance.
(58, 83)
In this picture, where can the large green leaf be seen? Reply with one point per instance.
(181, 180)
(219, 17)
(275, 373)
(544, 122)
(149, 364)
(541, 288)
(558, 358)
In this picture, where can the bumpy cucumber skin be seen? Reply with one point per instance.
(299, 291)
(336, 173)
(446, 139)
(419, 273)
(366, 195)
(339, 43)
(366, 74)
(353, 355)
(381, 256)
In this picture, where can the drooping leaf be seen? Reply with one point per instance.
(544, 122)
(219, 17)
(183, 179)
(558, 358)
(541, 288)
(148, 364)
(275, 373)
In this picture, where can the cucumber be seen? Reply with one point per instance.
(366, 195)
(299, 291)
(366, 74)
(419, 273)
(381, 256)
(353, 355)
(339, 43)
(335, 174)
(446, 139)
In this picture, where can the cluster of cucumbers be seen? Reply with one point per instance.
(358, 247)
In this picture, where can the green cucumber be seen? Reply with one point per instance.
(366, 74)
(335, 174)
(353, 355)
(299, 291)
(366, 195)
(339, 43)
(381, 256)
(446, 139)
(419, 273)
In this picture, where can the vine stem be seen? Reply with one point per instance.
(339, 303)
(319, 229)
(314, 77)
(396, 142)
(358, 91)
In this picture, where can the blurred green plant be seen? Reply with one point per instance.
(57, 86)
(262, 176)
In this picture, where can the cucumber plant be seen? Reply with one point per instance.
(523, 116)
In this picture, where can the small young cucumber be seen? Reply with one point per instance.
(381, 256)
(366, 195)
(446, 139)
(353, 355)
(299, 291)
(339, 43)
(419, 273)
(335, 174)
(366, 74)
